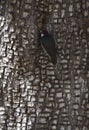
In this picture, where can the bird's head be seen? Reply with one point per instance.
(44, 32)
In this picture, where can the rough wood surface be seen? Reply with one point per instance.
(43, 96)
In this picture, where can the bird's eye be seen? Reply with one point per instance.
(42, 34)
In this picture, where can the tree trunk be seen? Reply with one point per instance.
(35, 94)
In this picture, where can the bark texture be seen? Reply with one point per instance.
(43, 96)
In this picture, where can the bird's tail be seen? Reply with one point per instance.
(54, 60)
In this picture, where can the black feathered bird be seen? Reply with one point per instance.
(47, 42)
